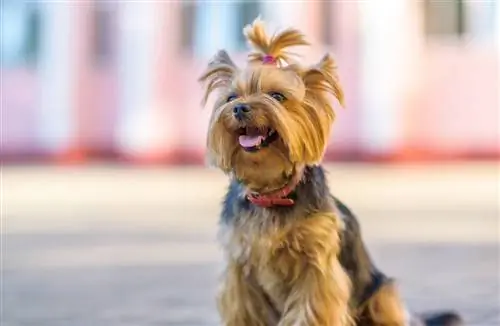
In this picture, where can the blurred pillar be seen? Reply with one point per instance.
(84, 95)
(145, 132)
(413, 108)
(57, 72)
(215, 26)
(481, 17)
(97, 98)
(389, 49)
(166, 61)
(345, 47)
(497, 46)
(497, 28)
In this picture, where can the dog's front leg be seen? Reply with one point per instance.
(318, 286)
(241, 302)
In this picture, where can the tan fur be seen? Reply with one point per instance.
(295, 264)
(279, 272)
(385, 308)
(274, 46)
(219, 73)
(240, 302)
(307, 109)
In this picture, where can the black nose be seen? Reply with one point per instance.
(240, 110)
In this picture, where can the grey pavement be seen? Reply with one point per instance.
(110, 245)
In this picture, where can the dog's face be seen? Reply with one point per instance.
(267, 120)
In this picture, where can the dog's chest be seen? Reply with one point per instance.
(252, 249)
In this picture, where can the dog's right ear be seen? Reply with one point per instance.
(323, 77)
(219, 73)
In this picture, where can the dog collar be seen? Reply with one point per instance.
(278, 197)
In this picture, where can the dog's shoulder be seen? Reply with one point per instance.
(352, 228)
(353, 251)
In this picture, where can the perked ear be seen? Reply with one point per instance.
(323, 77)
(219, 73)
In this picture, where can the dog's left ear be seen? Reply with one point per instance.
(219, 73)
(323, 77)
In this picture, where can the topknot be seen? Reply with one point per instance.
(271, 49)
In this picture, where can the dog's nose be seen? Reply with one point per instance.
(240, 110)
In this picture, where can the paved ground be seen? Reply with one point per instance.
(109, 246)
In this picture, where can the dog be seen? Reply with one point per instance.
(294, 252)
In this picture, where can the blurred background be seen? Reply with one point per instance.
(109, 215)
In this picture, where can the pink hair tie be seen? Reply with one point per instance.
(269, 59)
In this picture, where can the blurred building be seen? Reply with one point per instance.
(118, 79)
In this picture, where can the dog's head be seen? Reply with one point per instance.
(271, 116)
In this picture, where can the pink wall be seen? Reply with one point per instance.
(345, 23)
(19, 91)
(457, 109)
(454, 110)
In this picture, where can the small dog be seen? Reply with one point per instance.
(294, 252)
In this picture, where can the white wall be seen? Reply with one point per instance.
(390, 43)
(57, 73)
(140, 127)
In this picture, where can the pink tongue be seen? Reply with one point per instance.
(250, 141)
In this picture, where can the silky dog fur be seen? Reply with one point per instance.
(301, 263)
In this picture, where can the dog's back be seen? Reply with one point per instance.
(368, 280)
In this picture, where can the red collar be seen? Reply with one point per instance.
(277, 197)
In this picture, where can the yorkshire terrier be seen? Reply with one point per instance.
(294, 252)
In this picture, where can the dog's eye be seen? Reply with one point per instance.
(277, 96)
(231, 98)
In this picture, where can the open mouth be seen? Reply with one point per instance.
(252, 139)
